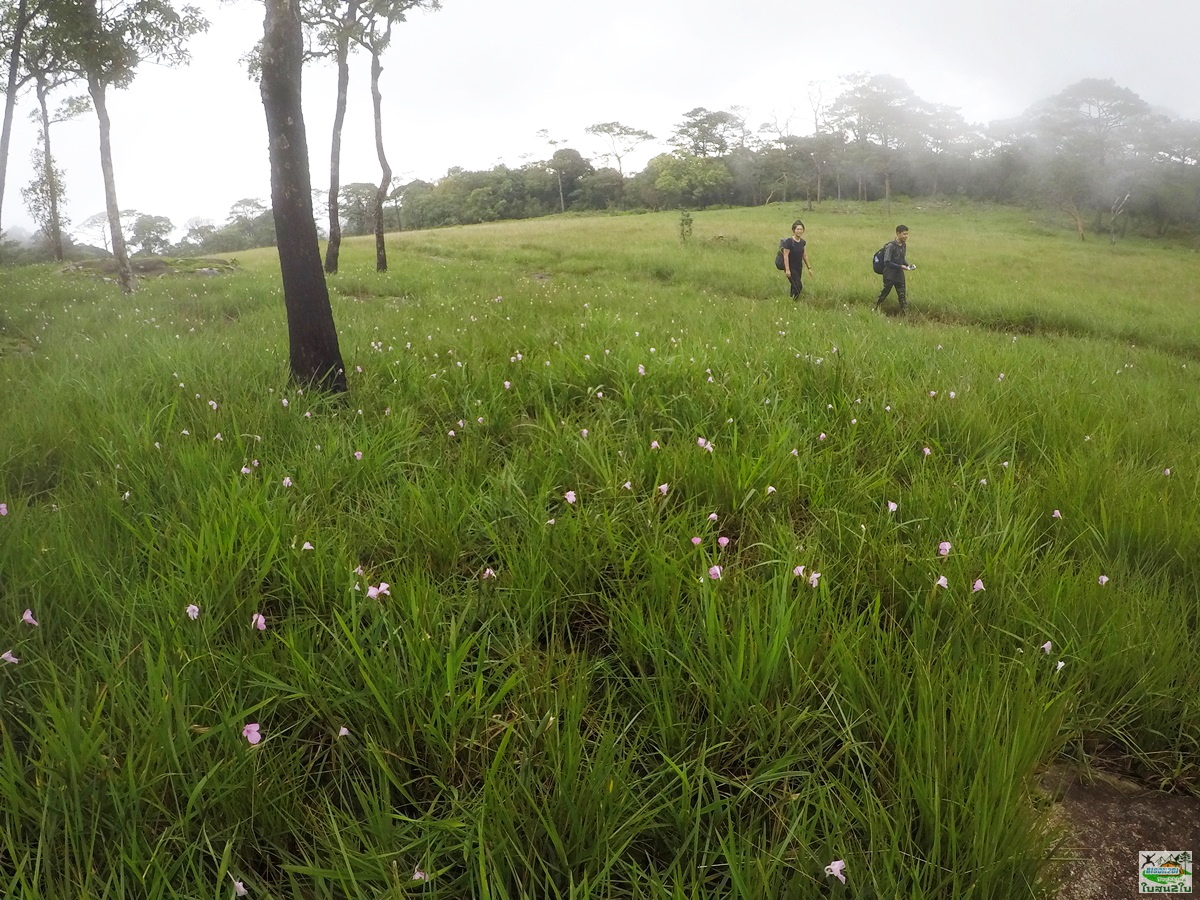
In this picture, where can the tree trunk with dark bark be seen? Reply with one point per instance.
(385, 180)
(120, 252)
(315, 358)
(10, 96)
(48, 172)
(334, 247)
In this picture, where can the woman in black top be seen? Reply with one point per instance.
(794, 257)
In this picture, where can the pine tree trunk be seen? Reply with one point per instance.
(51, 177)
(120, 252)
(333, 249)
(316, 360)
(10, 95)
(385, 180)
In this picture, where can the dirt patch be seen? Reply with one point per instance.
(154, 267)
(1106, 821)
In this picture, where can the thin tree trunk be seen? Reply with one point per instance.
(561, 202)
(48, 172)
(120, 252)
(315, 357)
(333, 249)
(10, 95)
(385, 180)
(818, 185)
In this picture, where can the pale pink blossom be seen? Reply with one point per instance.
(287, 481)
(1056, 515)
(696, 541)
(1103, 579)
(926, 451)
(193, 611)
(488, 573)
(358, 454)
(259, 621)
(419, 874)
(722, 542)
(798, 571)
(942, 582)
(892, 506)
(836, 868)
(662, 489)
(814, 579)
(343, 732)
(508, 385)
(383, 589)
(628, 485)
(28, 619)
(8, 657)
(308, 546)
(714, 572)
(770, 489)
(1058, 666)
(3, 509)
(1046, 647)
(251, 734)
(977, 586)
(583, 432)
(245, 470)
(569, 496)
(239, 889)
(1166, 471)
(654, 445)
(712, 517)
(944, 548)
(821, 436)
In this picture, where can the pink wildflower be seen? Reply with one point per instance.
(250, 733)
(836, 869)
(28, 618)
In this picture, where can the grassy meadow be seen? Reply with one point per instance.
(616, 573)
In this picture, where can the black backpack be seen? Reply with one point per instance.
(779, 256)
(877, 260)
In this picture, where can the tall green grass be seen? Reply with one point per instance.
(556, 698)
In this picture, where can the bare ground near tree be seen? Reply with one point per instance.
(1106, 820)
(154, 266)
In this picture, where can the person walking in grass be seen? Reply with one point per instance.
(894, 266)
(794, 257)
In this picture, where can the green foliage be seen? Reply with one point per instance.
(601, 718)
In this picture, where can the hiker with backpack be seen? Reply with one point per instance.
(889, 261)
(792, 256)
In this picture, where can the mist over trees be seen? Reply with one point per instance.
(1094, 151)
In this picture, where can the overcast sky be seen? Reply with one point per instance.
(471, 84)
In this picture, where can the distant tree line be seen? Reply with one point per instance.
(1095, 150)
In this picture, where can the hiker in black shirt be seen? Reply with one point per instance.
(795, 256)
(894, 267)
